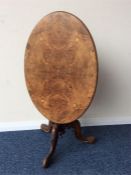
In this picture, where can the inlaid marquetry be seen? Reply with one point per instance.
(61, 67)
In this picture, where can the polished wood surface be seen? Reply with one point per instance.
(61, 67)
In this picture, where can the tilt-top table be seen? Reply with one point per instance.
(61, 72)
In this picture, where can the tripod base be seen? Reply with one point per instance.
(59, 129)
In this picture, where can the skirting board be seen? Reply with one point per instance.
(93, 121)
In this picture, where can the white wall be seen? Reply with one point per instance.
(110, 24)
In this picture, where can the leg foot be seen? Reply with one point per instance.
(77, 128)
(54, 132)
(46, 128)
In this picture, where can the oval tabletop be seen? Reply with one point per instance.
(61, 67)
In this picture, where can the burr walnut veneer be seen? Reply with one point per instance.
(61, 71)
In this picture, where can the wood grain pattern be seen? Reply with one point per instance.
(61, 67)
